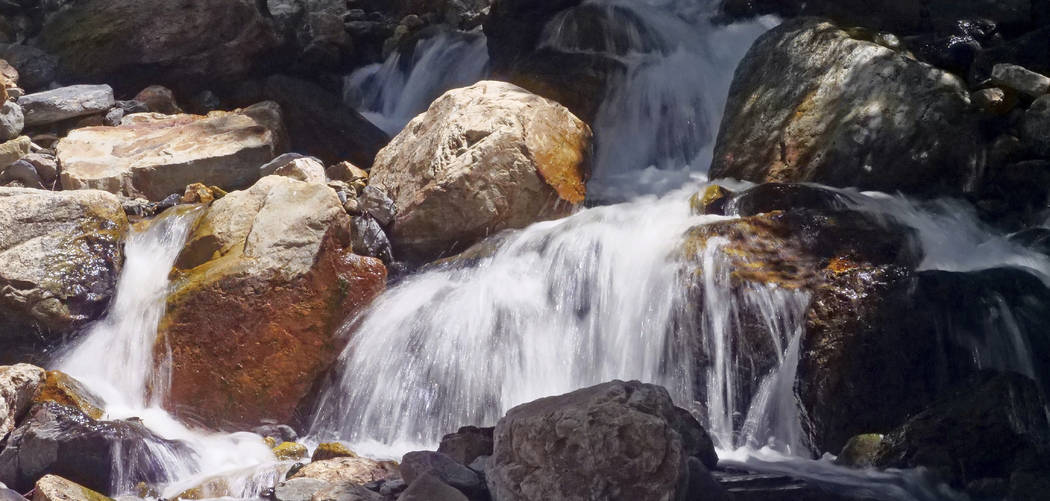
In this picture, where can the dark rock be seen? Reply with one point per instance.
(1036, 127)
(467, 444)
(994, 101)
(97, 454)
(369, 239)
(743, 486)
(12, 120)
(769, 197)
(578, 81)
(280, 432)
(158, 99)
(702, 485)
(513, 27)
(22, 172)
(430, 488)
(833, 125)
(1031, 51)
(1020, 79)
(63, 103)
(415, 465)
(860, 451)
(36, 68)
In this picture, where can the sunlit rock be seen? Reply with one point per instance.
(18, 385)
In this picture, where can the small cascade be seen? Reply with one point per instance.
(392, 93)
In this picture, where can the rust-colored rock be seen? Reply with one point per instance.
(60, 388)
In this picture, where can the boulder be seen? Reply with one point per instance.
(1020, 79)
(96, 454)
(346, 492)
(62, 389)
(141, 43)
(482, 159)
(60, 256)
(614, 441)
(1035, 128)
(265, 278)
(856, 115)
(298, 489)
(36, 68)
(64, 103)
(18, 384)
(153, 156)
(860, 451)
(55, 488)
(331, 450)
(290, 451)
(12, 120)
(355, 470)
(467, 444)
(346, 171)
(415, 465)
(158, 99)
(430, 488)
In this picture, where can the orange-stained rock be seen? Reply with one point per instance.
(265, 279)
(60, 388)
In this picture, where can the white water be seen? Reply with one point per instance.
(115, 360)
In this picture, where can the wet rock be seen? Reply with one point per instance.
(1036, 126)
(626, 439)
(321, 125)
(857, 115)
(770, 197)
(1020, 79)
(63, 103)
(346, 492)
(139, 43)
(513, 27)
(60, 256)
(578, 81)
(62, 389)
(280, 432)
(298, 489)
(484, 158)
(158, 99)
(369, 239)
(288, 451)
(64, 441)
(331, 450)
(354, 470)
(744, 486)
(55, 488)
(988, 427)
(198, 193)
(12, 121)
(153, 156)
(430, 488)
(18, 384)
(265, 278)
(993, 101)
(346, 171)
(860, 451)
(415, 465)
(467, 444)
(36, 68)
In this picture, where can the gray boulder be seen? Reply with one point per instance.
(415, 465)
(298, 489)
(11, 120)
(1036, 126)
(64, 103)
(36, 68)
(1020, 79)
(856, 114)
(346, 492)
(616, 440)
(431, 488)
(467, 444)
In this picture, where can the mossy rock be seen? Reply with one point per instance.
(712, 200)
(288, 451)
(860, 451)
(62, 389)
(331, 450)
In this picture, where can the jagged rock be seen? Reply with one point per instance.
(415, 465)
(62, 389)
(18, 384)
(13, 150)
(467, 444)
(856, 114)
(1036, 126)
(141, 43)
(346, 171)
(298, 489)
(430, 488)
(306, 169)
(36, 68)
(158, 99)
(625, 440)
(64, 441)
(265, 278)
(1020, 79)
(60, 256)
(369, 239)
(154, 156)
(55, 488)
(355, 470)
(12, 121)
(331, 450)
(64, 103)
(484, 158)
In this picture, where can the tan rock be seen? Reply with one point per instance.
(13, 150)
(153, 156)
(265, 279)
(18, 384)
(346, 171)
(60, 388)
(354, 470)
(55, 488)
(305, 169)
(484, 158)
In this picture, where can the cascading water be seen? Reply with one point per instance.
(115, 360)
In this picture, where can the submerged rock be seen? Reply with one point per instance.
(485, 158)
(856, 114)
(153, 156)
(265, 279)
(616, 440)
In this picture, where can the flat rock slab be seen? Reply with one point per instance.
(52, 106)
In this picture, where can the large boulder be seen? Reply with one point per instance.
(182, 45)
(153, 156)
(18, 385)
(353, 470)
(101, 455)
(482, 159)
(856, 114)
(616, 440)
(265, 279)
(60, 257)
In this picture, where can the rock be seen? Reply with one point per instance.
(136, 43)
(625, 440)
(153, 156)
(10, 495)
(355, 470)
(298, 489)
(579, 81)
(158, 99)
(1036, 126)
(8, 75)
(1028, 51)
(746, 486)
(415, 465)
(18, 384)
(467, 444)
(331, 450)
(482, 159)
(60, 256)
(513, 27)
(198, 193)
(369, 239)
(307, 169)
(280, 432)
(346, 492)
(988, 427)
(860, 451)
(45, 164)
(1020, 79)
(14, 149)
(64, 103)
(378, 204)
(270, 167)
(21, 174)
(289, 451)
(346, 171)
(12, 121)
(857, 115)
(114, 117)
(64, 441)
(36, 68)
(430, 488)
(55, 488)
(265, 278)
(62, 389)
(993, 101)
(321, 125)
